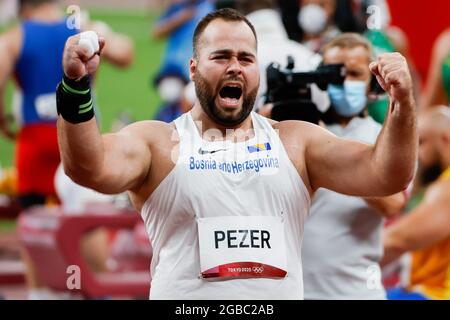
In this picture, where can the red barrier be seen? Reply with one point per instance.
(10, 211)
(53, 242)
(422, 21)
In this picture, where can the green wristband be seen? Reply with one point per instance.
(74, 101)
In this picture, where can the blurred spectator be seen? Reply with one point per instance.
(119, 48)
(177, 107)
(170, 89)
(177, 24)
(8, 11)
(75, 198)
(189, 97)
(425, 231)
(273, 42)
(32, 53)
(437, 89)
(342, 237)
(289, 15)
(322, 20)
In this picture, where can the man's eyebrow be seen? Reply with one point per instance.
(246, 54)
(229, 51)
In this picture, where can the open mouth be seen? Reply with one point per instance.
(230, 95)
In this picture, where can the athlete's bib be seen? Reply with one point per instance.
(242, 247)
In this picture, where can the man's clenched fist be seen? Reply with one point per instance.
(78, 60)
(392, 72)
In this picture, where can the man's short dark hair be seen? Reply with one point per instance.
(248, 6)
(350, 40)
(33, 3)
(226, 14)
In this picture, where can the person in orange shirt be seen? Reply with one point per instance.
(425, 231)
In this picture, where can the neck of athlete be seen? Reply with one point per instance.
(208, 128)
(47, 12)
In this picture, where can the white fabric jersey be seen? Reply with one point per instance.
(244, 180)
(342, 240)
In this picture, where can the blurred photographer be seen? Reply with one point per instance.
(342, 243)
(274, 44)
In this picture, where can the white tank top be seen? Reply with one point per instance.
(343, 242)
(229, 186)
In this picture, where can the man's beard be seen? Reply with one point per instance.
(206, 97)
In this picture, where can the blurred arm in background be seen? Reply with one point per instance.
(436, 86)
(10, 43)
(119, 48)
(171, 22)
(426, 225)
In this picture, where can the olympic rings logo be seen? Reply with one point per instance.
(258, 269)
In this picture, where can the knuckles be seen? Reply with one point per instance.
(386, 59)
(396, 61)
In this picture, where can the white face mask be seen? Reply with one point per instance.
(312, 18)
(189, 94)
(348, 99)
(170, 89)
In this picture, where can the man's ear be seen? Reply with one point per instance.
(192, 68)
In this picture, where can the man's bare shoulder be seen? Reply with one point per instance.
(150, 124)
(150, 130)
(293, 129)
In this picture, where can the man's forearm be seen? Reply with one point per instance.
(397, 146)
(82, 150)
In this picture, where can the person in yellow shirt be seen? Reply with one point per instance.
(425, 231)
(8, 181)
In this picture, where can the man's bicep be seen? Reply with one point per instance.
(126, 163)
(338, 164)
